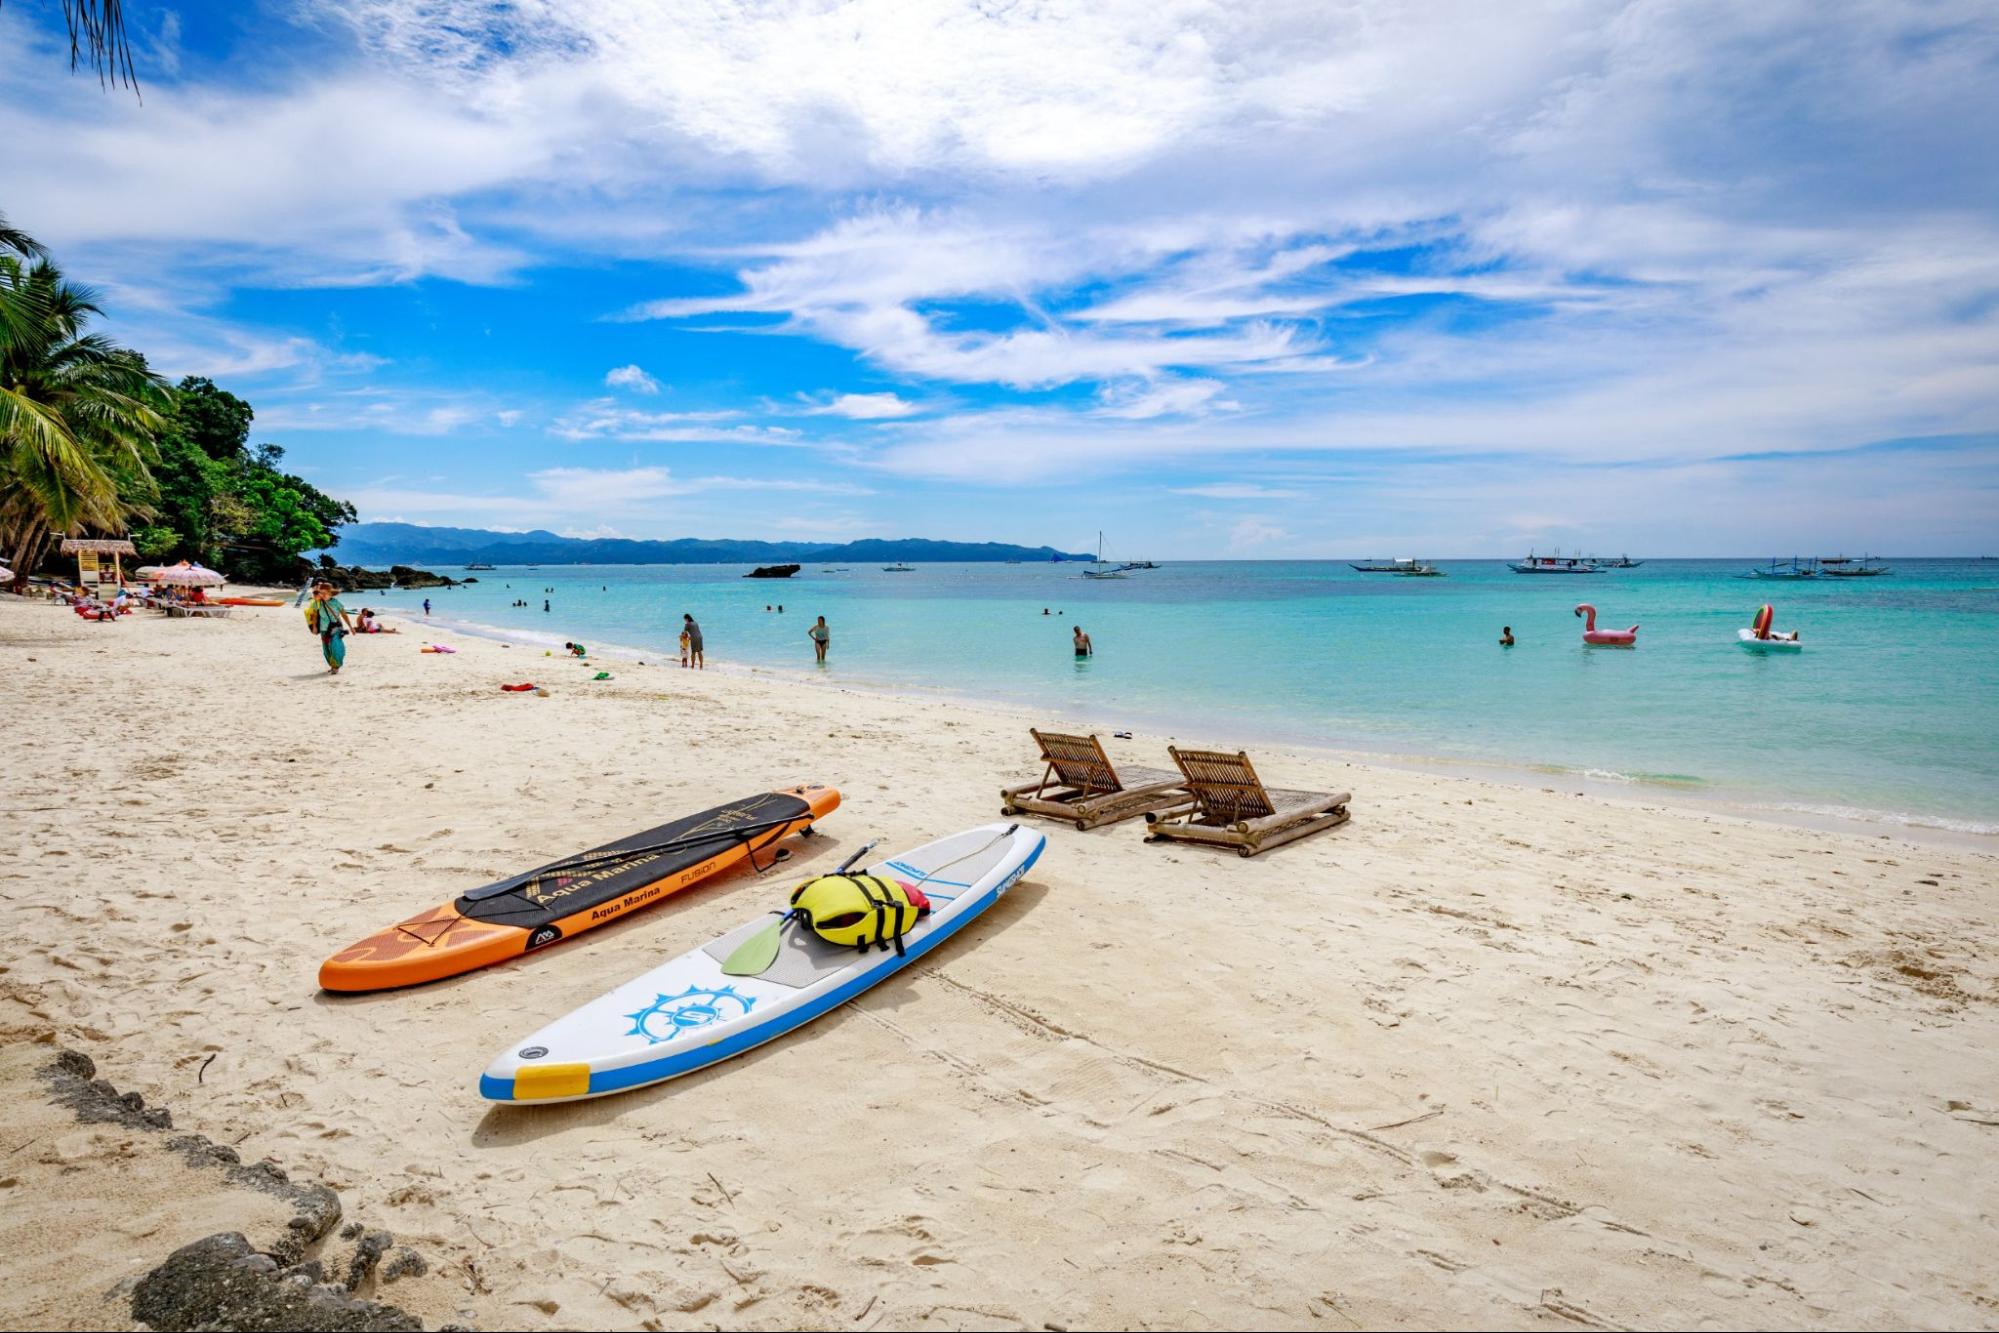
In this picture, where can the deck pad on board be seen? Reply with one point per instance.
(537, 898)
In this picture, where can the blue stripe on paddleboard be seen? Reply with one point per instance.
(672, 1066)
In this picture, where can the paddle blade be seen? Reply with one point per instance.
(753, 957)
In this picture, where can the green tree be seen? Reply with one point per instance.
(213, 420)
(78, 415)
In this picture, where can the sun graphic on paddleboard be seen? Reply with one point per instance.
(696, 1007)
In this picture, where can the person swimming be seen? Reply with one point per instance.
(1506, 636)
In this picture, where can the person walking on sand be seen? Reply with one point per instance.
(692, 628)
(330, 621)
(1082, 642)
(820, 636)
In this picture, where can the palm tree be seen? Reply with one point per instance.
(77, 414)
(97, 35)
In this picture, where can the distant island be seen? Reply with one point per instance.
(377, 544)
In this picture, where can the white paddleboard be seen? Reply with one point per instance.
(687, 1014)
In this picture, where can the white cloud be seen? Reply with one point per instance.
(1238, 490)
(1179, 397)
(632, 378)
(864, 407)
(1250, 534)
(603, 419)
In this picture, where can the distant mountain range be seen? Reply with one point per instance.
(412, 544)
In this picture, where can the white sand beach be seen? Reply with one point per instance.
(1487, 1056)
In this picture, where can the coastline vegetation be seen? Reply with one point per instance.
(93, 441)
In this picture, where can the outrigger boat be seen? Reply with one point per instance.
(1555, 564)
(1404, 565)
(1777, 569)
(1846, 567)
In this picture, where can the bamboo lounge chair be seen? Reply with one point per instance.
(1080, 785)
(1230, 806)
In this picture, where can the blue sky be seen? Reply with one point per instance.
(1229, 279)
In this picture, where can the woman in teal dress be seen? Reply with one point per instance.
(329, 619)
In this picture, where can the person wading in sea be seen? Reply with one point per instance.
(1082, 642)
(692, 629)
(820, 636)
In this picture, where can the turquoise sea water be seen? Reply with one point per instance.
(1892, 709)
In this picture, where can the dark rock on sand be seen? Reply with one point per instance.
(219, 1283)
(366, 1255)
(222, 1282)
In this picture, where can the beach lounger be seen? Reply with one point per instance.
(1230, 806)
(1078, 784)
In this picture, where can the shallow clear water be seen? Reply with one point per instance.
(1893, 707)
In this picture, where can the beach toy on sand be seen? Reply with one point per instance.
(521, 688)
(514, 916)
(437, 648)
(601, 675)
(711, 1003)
(1605, 638)
(1760, 638)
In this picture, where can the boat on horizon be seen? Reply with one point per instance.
(1779, 569)
(898, 569)
(1847, 567)
(478, 566)
(1555, 564)
(1098, 571)
(1402, 564)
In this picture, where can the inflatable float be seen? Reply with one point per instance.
(1760, 638)
(249, 601)
(529, 911)
(769, 976)
(1605, 638)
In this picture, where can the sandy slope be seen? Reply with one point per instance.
(1484, 1057)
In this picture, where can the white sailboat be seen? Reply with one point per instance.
(1097, 571)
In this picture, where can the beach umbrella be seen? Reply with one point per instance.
(189, 575)
(147, 572)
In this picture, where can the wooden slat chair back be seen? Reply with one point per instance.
(1079, 761)
(1225, 785)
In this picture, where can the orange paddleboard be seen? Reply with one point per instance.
(532, 910)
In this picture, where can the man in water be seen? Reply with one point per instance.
(820, 636)
(1082, 642)
(544, 606)
(692, 628)
(426, 606)
(1506, 636)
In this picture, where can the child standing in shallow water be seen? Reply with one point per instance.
(683, 645)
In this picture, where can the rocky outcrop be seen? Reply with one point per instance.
(353, 578)
(223, 1281)
(772, 572)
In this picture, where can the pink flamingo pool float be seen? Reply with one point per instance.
(1605, 638)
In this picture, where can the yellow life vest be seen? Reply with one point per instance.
(859, 910)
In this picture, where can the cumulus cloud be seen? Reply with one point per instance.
(632, 378)
(864, 407)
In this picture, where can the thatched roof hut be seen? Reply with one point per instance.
(88, 552)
